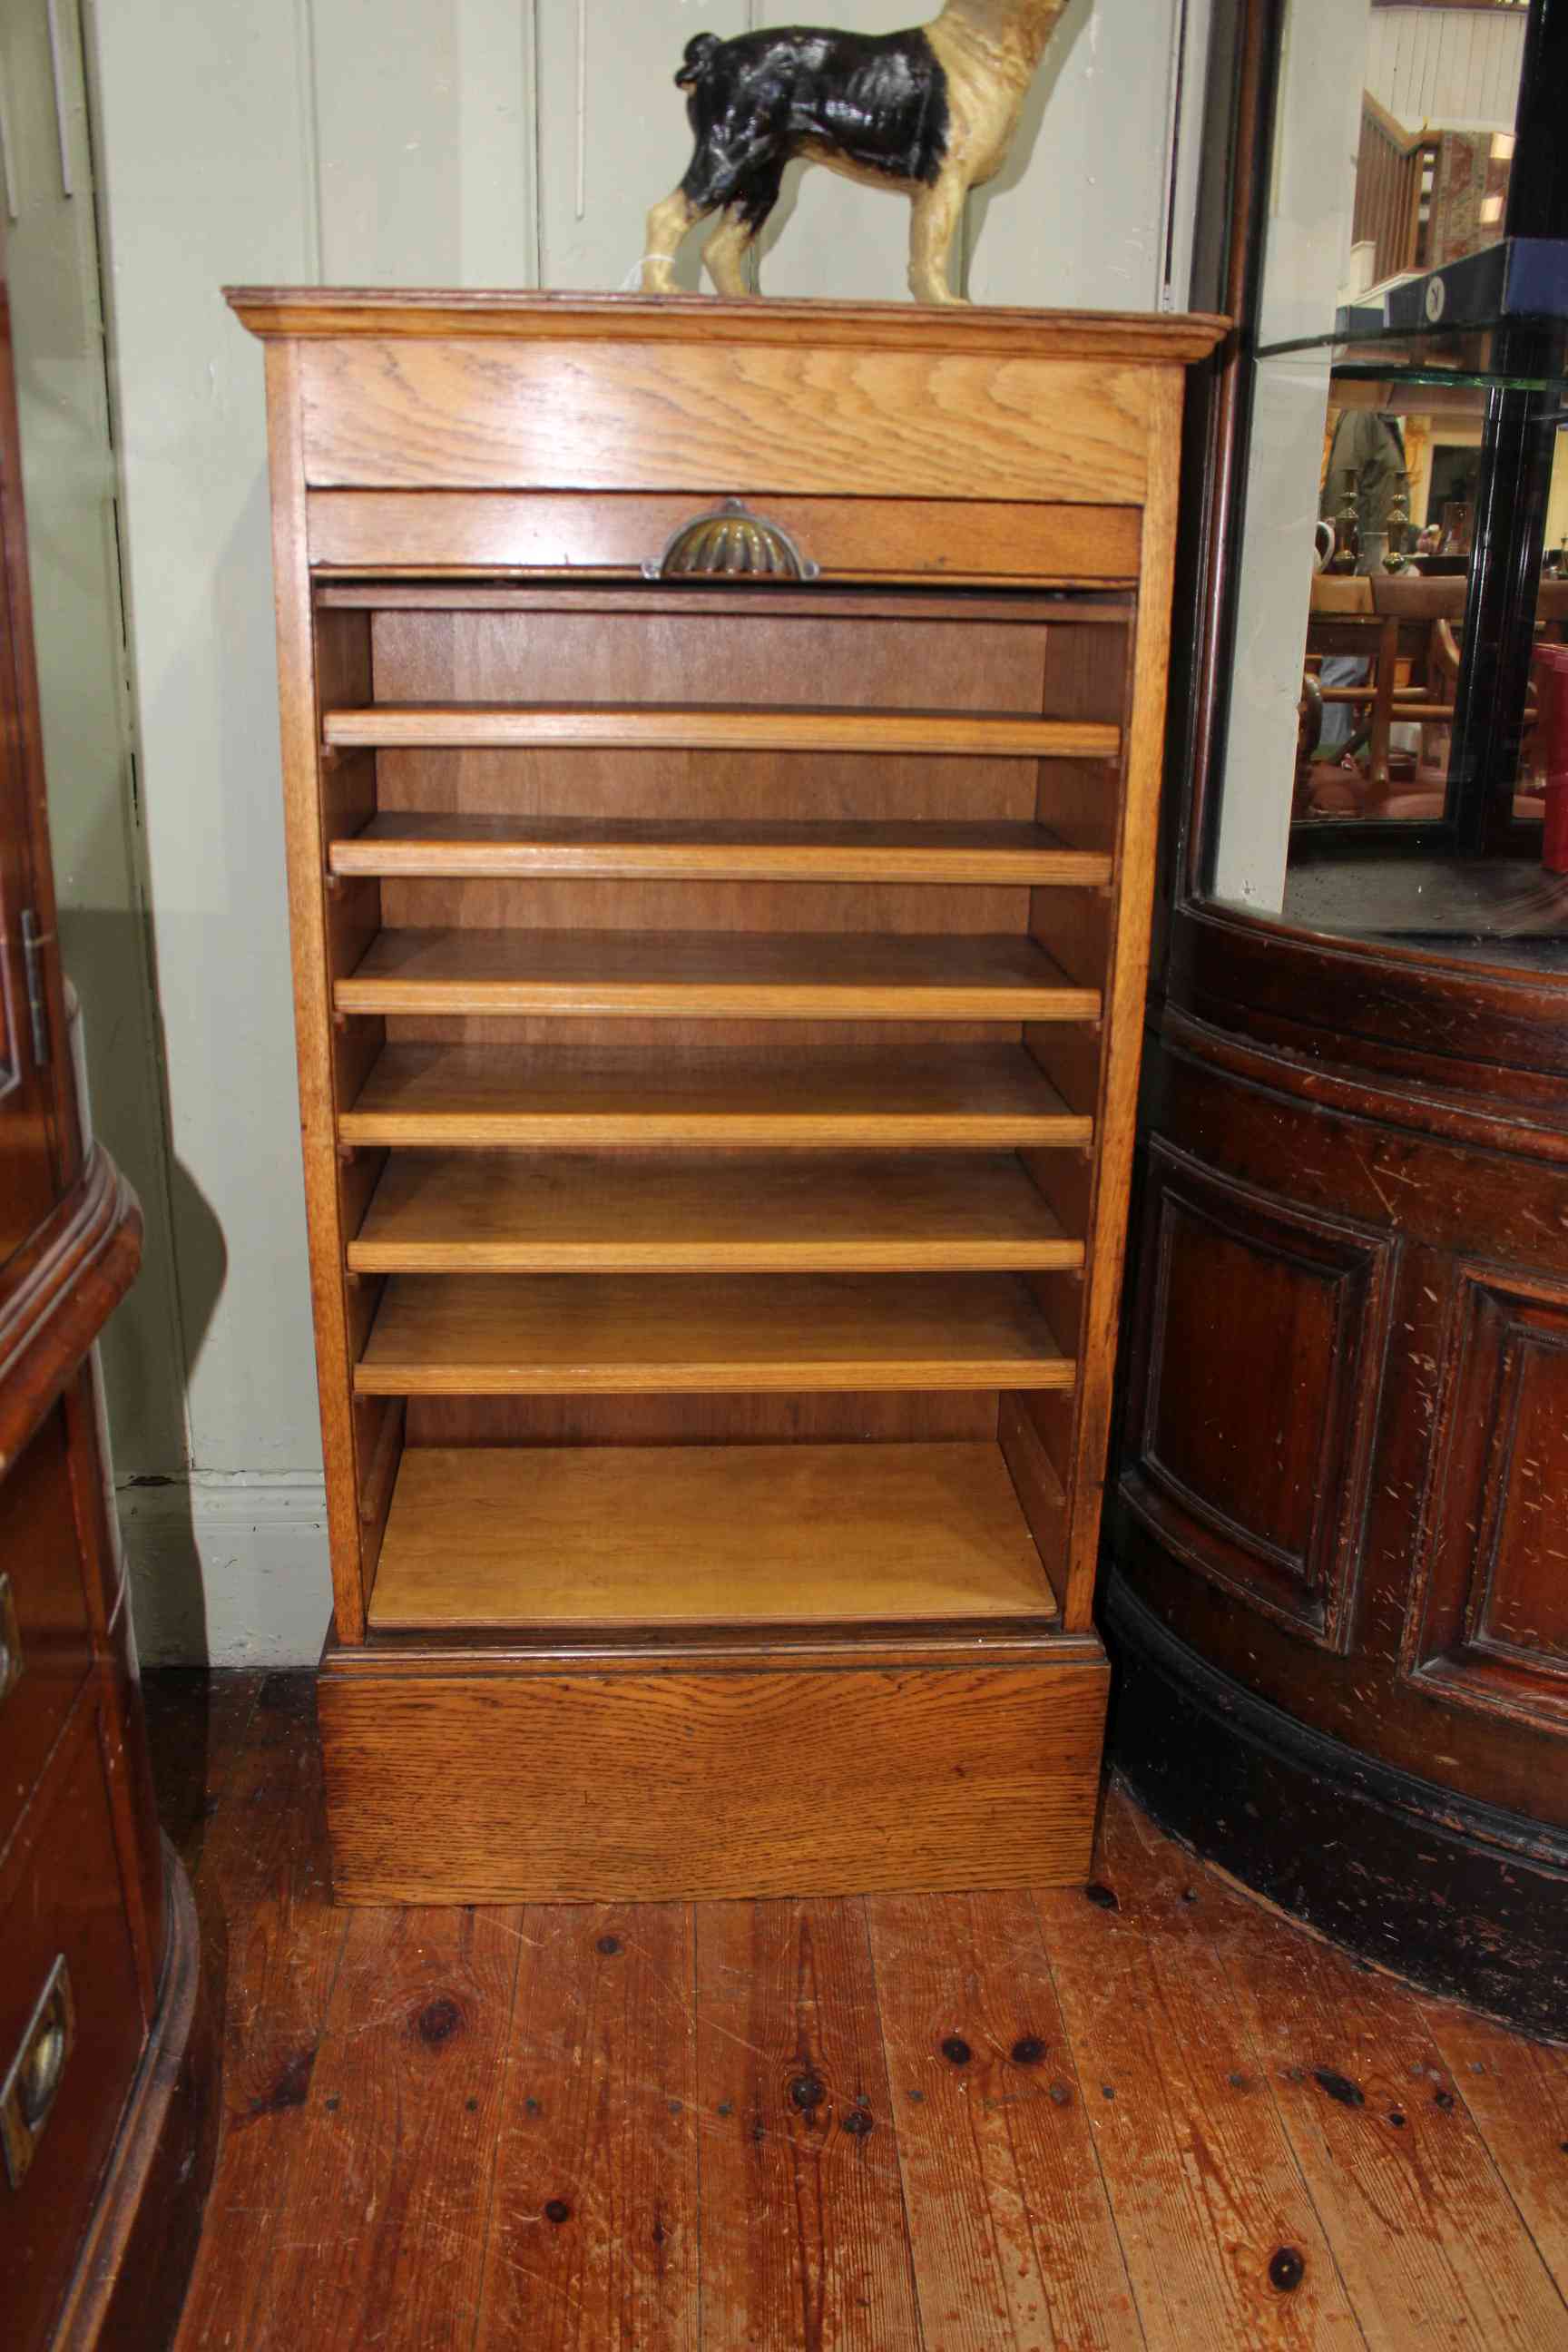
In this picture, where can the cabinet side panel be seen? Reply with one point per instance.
(313, 1009)
(1127, 982)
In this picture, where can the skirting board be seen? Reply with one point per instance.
(228, 1569)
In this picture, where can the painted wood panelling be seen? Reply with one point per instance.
(420, 118)
(410, 141)
(1074, 219)
(1446, 65)
(69, 482)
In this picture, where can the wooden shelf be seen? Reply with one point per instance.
(758, 1213)
(575, 1334)
(934, 1097)
(636, 848)
(684, 1536)
(717, 975)
(648, 726)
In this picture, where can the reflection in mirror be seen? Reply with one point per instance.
(1344, 807)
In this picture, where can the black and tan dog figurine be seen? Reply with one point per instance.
(930, 114)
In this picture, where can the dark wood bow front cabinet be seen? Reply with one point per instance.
(719, 1004)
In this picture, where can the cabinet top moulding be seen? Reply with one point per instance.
(326, 311)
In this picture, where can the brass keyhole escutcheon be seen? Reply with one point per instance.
(41, 2075)
(32, 2081)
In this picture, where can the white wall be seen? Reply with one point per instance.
(412, 141)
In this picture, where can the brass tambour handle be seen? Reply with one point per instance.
(731, 542)
(33, 2079)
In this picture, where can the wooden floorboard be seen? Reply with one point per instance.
(1431, 2246)
(263, 1889)
(1155, 2118)
(594, 2230)
(1210, 2205)
(803, 2212)
(401, 2127)
(1010, 2227)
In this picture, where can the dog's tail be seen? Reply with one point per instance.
(698, 59)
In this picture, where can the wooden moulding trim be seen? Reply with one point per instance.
(1454, 1895)
(433, 312)
(417, 1657)
(1268, 1728)
(1391, 1101)
(1229, 967)
(78, 1266)
(136, 2260)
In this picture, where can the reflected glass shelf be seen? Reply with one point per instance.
(1448, 319)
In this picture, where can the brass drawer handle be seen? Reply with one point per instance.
(730, 543)
(11, 1659)
(34, 2077)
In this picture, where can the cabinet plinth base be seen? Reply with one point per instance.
(711, 1768)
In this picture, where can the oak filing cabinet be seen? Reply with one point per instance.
(722, 750)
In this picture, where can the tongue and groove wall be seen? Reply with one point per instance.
(358, 141)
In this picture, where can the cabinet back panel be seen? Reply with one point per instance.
(669, 658)
(895, 1417)
(699, 1045)
(649, 906)
(826, 786)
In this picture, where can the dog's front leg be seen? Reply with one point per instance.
(666, 224)
(934, 215)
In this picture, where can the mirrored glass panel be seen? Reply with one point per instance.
(1408, 379)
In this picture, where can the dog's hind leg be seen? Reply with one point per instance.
(724, 255)
(666, 224)
(934, 215)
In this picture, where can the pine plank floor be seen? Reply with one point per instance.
(1155, 2118)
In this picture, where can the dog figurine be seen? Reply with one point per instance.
(930, 112)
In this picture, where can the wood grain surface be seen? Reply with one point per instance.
(417, 2134)
(594, 2237)
(1170, 339)
(662, 1212)
(264, 1867)
(641, 727)
(779, 851)
(405, 413)
(1199, 2170)
(657, 1780)
(701, 975)
(798, 2124)
(950, 540)
(745, 2125)
(1009, 2225)
(513, 1334)
(940, 1097)
(683, 1535)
